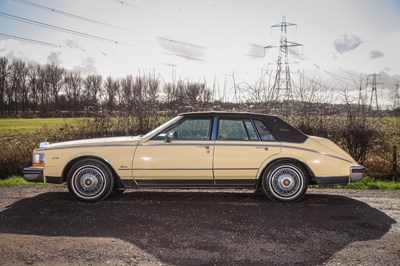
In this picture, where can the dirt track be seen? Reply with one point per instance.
(44, 225)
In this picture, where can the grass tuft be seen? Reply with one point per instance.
(16, 180)
(13, 181)
(369, 183)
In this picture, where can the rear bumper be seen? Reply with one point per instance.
(33, 174)
(356, 174)
(332, 180)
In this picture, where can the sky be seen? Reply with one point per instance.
(216, 41)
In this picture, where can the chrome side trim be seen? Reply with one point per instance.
(167, 144)
(85, 146)
(315, 151)
(203, 144)
(185, 169)
(231, 169)
(164, 169)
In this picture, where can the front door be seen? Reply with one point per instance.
(185, 159)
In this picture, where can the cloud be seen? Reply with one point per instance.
(87, 66)
(346, 43)
(388, 68)
(73, 45)
(256, 50)
(186, 50)
(376, 54)
(54, 58)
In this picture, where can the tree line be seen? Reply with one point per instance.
(50, 89)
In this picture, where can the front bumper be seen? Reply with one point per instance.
(33, 174)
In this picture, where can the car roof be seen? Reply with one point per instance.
(226, 114)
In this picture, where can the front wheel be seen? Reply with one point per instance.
(285, 181)
(90, 180)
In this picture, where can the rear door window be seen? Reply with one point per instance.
(236, 130)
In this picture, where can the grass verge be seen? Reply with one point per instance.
(366, 183)
(370, 183)
(17, 181)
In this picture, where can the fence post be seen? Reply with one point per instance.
(394, 165)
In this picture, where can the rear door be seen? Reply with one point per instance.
(240, 149)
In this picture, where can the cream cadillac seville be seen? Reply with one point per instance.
(198, 150)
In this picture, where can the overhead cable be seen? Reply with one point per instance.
(72, 15)
(49, 26)
(30, 40)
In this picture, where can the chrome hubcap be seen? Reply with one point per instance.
(286, 181)
(89, 181)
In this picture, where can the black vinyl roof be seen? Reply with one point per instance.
(226, 114)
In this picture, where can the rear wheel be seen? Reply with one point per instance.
(285, 181)
(90, 180)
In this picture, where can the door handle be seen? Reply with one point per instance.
(207, 147)
(262, 147)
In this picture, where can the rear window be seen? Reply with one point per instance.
(285, 132)
(263, 131)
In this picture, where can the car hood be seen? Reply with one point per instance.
(132, 140)
(330, 148)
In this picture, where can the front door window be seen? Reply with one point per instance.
(189, 129)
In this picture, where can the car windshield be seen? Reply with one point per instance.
(167, 124)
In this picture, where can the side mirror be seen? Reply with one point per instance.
(169, 137)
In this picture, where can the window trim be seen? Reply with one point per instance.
(210, 132)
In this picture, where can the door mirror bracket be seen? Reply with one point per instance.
(169, 137)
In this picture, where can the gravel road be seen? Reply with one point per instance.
(44, 225)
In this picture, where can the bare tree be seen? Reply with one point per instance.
(17, 92)
(43, 88)
(73, 89)
(33, 77)
(111, 88)
(55, 78)
(127, 92)
(92, 89)
(4, 73)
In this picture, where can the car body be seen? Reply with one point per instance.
(198, 150)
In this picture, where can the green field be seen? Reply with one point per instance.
(30, 125)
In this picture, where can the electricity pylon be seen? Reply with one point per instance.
(396, 96)
(282, 77)
(371, 79)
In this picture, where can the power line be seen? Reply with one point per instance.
(127, 4)
(73, 15)
(30, 40)
(45, 25)
(103, 23)
(184, 56)
(335, 76)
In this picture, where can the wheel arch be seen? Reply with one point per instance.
(68, 166)
(310, 173)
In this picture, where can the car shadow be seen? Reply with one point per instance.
(198, 227)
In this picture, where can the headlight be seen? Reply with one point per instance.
(38, 159)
